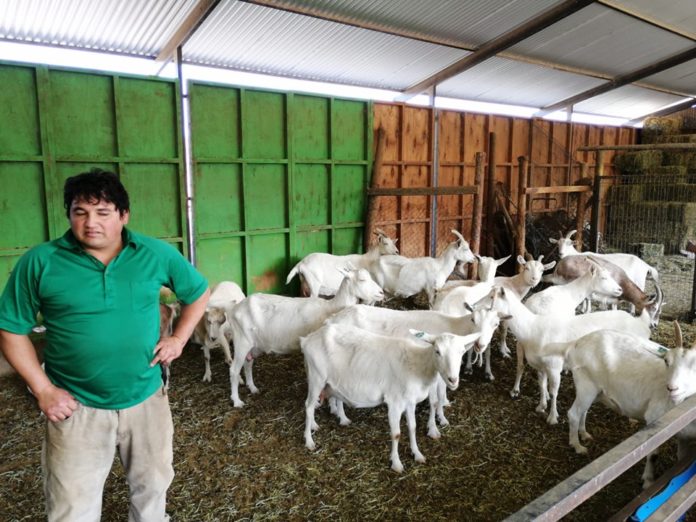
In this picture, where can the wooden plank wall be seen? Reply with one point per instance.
(408, 162)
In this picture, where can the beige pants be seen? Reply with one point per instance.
(79, 451)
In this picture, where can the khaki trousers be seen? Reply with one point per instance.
(78, 454)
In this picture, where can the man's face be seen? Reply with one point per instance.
(97, 225)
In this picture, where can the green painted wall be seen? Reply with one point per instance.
(276, 177)
(58, 123)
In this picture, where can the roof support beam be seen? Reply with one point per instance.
(666, 111)
(369, 25)
(620, 81)
(502, 42)
(188, 26)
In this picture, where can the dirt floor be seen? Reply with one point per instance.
(251, 464)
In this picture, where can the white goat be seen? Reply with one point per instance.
(212, 329)
(320, 273)
(571, 267)
(636, 269)
(477, 290)
(404, 276)
(399, 323)
(364, 370)
(534, 332)
(520, 284)
(634, 377)
(266, 323)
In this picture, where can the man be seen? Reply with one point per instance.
(97, 288)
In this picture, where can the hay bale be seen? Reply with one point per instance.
(681, 158)
(679, 138)
(624, 194)
(675, 172)
(638, 162)
(655, 127)
(678, 192)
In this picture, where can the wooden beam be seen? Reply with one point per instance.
(654, 146)
(188, 26)
(422, 191)
(321, 14)
(495, 46)
(620, 81)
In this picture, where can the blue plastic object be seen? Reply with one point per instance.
(652, 505)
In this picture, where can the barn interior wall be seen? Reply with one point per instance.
(550, 146)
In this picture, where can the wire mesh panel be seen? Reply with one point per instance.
(654, 217)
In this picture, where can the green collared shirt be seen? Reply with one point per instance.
(102, 322)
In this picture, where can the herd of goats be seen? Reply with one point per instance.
(361, 355)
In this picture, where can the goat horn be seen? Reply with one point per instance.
(458, 234)
(379, 232)
(540, 258)
(678, 339)
(570, 234)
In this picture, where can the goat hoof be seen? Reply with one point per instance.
(581, 450)
(490, 377)
(468, 371)
(434, 434)
(515, 394)
(398, 467)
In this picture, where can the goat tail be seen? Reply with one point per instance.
(295, 270)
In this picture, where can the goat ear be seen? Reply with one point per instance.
(549, 266)
(553, 240)
(423, 336)
(521, 260)
(504, 317)
(468, 307)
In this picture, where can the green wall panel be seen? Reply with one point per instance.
(219, 197)
(82, 114)
(350, 130)
(348, 193)
(221, 259)
(312, 195)
(266, 196)
(22, 205)
(154, 197)
(311, 136)
(147, 112)
(347, 240)
(66, 122)
(265, 128)
(215, 122)
(311, 241)
(19, 132)
(7, 263)
(267, 263)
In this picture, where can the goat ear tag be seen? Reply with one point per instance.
(419, 335)
(658, 350)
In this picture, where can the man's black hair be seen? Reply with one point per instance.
(96, 185)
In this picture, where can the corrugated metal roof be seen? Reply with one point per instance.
(125, 26)
(396, 44)
(506, 81)
(253, 38)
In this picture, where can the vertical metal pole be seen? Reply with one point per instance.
(436, 173)
(490, 197)
(188, 163)
(522, 208)
(596, 201)
(478, 210)
(580, 212)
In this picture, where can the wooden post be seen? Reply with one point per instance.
(374, 183)
(478, 211)
(594, 225)
(490, 197)
(522, 208)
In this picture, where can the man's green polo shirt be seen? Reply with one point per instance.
(102, 322)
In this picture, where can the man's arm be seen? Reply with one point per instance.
(169, 348)
(56, 403)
